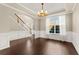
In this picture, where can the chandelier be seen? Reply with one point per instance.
(42, 12)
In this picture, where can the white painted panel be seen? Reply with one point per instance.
(5, 38)
(76, 41)
(4, 41)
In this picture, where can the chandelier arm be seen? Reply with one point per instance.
(42, 12)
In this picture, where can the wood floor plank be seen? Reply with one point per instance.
(39, 46)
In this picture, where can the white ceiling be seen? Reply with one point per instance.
(31, 9)
(50, 7)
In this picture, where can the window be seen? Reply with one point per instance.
(55, 24)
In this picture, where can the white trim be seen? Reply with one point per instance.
(33, 13)
(74, 6)
(75, 41)
(7, 37)
(23, 12)
(60, 13)
(55, 12)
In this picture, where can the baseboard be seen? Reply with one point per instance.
(53, 39)
(5, 47)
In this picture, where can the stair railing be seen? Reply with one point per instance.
(27, 27)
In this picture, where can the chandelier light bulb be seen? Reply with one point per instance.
(42, 11)
(46, 11)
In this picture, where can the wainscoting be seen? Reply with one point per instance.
(5, 38)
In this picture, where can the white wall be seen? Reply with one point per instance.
(9, 28)
(4, 41)
(5, 38)
(69, 22)
(40, 29)
(6, 22)
(76, 19)
(40, 24)
(76, 27)
(28, 21)
(7, 25)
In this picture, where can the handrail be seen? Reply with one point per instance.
(20, 18)
(22, 21)
(18, 22)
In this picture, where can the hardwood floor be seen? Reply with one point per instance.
(40, 46)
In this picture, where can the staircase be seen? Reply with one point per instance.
(25, 26)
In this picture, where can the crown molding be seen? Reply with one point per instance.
(26, 8)
(74, 6)
(56, 12)
(59, 13)
(31, 11)
(20, 11)
(70, 7)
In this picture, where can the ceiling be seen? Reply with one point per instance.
(50, 7)
(33, 8)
